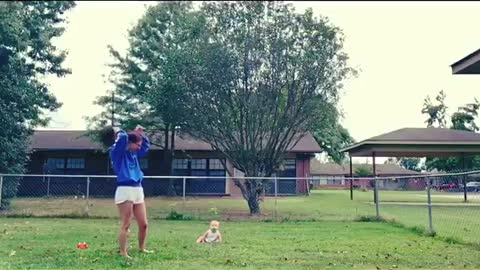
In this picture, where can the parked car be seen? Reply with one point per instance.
(473, 186)
(446, 187)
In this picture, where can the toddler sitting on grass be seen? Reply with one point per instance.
(212, 235)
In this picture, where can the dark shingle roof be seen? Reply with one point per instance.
(469, 64)
(428, 135)
(418, 142)
(62, 139)
(75, 140)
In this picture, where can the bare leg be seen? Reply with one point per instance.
(140, 213)
(126, 210)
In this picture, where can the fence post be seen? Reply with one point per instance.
(87, 196)
(276, 193)
(430, 222)
(48, 186)
(377, 210)
(184, 188)
(1, 190)
(307, 182)
(351, 188)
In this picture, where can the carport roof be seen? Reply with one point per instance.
(418, 142)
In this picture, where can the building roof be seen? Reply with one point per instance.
(62, 140)
(318, 168)
(470, 64)
(334, 169)
(76, 140)
(428, 135)
(418, 142)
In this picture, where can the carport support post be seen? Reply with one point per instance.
(430, 222)
(463, 179)
(351, 178)
(375, 189)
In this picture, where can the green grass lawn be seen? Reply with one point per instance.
(49, 243)
(322, 205)
(451, 217)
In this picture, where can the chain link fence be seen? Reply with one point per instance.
(199, 197)
(447, 205)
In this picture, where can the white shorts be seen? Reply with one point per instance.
(132, 194)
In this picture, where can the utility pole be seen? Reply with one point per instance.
(113, 108)
(113, 123)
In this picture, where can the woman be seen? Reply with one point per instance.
(129, 197)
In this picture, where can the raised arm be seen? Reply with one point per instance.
(120, 145)
(145, 142)
(145, 147)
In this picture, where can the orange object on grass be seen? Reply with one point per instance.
(82, 245)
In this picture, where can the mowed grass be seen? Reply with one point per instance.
(452, 218)
(325, 204)
(50, 243)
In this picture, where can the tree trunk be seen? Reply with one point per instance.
(249, 192)
(254, 203)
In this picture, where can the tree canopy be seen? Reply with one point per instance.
(27, 55)
(249, 78)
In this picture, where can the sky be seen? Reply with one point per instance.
(403, 51)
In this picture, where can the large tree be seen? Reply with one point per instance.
(262, 77)
(331, 135)
(332, 139)
(27, 56)
(250, 78)
(148, 89)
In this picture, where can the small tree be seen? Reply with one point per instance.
(436, 113)
(410, 164)
(463, 119)
(363, 170)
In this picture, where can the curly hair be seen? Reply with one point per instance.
(134, 137)
(107, 136)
